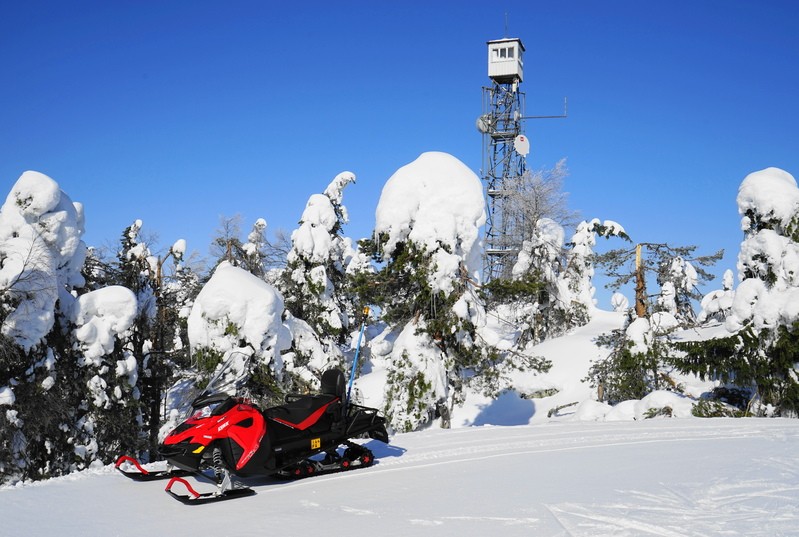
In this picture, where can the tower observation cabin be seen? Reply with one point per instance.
(505, 60)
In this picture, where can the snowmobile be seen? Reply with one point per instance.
(229, 437)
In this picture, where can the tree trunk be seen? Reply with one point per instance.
(640, 284)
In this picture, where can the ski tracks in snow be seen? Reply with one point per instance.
(469, 445)
(750, 508)
(739, 500)
(760, 497)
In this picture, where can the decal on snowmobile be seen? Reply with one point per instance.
(298, 416)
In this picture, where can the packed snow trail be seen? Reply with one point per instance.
(664, 477)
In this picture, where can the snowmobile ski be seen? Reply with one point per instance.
(142, 474)
(195, 498)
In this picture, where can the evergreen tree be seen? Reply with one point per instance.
(41, 253)
(112, 418)
(675, 268)
(716, 305)
(153, 341)
(439, 344)
(765, 369)
(639, 351)
(551, 291)
(315, 279)
(762, 350)
(236, 312)
(425, 245)
(635, 365)
(257, 255)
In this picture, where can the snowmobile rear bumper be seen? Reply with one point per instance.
(364, 420)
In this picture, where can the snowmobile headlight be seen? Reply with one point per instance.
(205, 411)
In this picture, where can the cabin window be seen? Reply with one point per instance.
(503, 53)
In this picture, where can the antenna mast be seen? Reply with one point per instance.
(505, 148)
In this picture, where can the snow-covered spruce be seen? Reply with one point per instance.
(757, 353)
(552, 290)
(236, 309)
(41, 255)
(426, 231)
(318, 307)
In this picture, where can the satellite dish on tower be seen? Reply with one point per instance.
(522, 145)
(484, 123)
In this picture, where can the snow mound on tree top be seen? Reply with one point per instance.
(233, 306)
(312, 239)
(100, 316)
(434, 201)
(42, 252)
(34, 194)
(769, 192)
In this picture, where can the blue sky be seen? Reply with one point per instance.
(180, 112)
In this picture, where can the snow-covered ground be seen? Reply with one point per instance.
(571, 356)
(664, 477)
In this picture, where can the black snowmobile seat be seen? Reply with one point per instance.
(305, 411)
(302, 413)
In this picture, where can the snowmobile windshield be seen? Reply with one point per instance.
(228, 380)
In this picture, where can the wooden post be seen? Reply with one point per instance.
(640, 284)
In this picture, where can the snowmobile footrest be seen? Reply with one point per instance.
(193, 497)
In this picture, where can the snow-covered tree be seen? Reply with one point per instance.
(254, 249)
(152, 341)
(257, 255)
(634, 365)
(717, 305)
(675, 268)
(236, 310)
(762, 352)
(314, 282)
(551, 290)
(178, 293)
(580, 265)
(534, 294)
(426, 243)
(111, 420)
(41, 254)
(640, 350)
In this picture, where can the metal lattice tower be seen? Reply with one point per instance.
(504, 149)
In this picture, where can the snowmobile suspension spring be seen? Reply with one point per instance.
(219, 464)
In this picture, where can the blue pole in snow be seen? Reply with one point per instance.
(355, 360)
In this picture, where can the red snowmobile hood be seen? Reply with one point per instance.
(242, 422)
